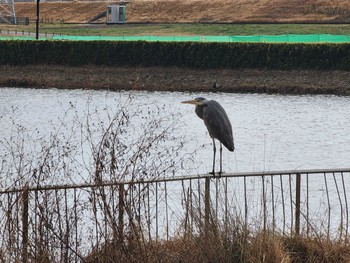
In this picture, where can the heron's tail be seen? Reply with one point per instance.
(230, 146)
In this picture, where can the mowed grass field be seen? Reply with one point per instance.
(190, 29)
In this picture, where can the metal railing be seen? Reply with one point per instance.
(14, 20)
(67, 222)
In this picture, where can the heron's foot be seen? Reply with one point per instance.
(216, 175)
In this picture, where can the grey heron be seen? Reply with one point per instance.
(217, 122)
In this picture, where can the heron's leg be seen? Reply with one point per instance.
(220, 159)
(214, 149)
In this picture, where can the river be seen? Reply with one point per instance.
(271, 132)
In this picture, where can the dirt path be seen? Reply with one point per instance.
(175, 79)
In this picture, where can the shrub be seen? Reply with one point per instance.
(180, 54)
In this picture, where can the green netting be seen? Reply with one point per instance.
(311, 38)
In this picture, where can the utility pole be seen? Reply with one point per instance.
(37, 19)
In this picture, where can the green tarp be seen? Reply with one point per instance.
(312, 38)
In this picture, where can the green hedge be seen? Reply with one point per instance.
(181, 54)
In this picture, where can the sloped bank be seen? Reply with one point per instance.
(177, 79)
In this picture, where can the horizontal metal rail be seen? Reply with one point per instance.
(173, 179)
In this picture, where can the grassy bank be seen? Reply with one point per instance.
(184, 29)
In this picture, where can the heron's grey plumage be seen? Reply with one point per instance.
(217, 122)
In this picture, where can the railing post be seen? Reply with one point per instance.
(25, 200)
(206, 204)
(121, 212)
(297, 204)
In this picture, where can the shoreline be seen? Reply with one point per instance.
(297, 82)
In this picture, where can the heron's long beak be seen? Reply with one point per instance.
(190, 102)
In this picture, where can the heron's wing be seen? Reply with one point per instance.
(218, 124)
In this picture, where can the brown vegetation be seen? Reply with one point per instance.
(221, 246)
(197, 11)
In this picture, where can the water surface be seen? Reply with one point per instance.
(271, 132)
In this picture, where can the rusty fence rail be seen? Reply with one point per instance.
(68, 222)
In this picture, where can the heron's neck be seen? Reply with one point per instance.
(199, 111)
